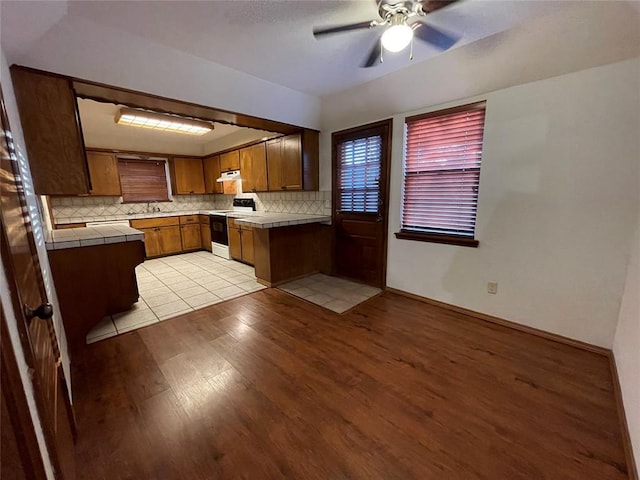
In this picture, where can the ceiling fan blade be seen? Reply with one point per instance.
(374, 55)
(434, 36)
(317, 31)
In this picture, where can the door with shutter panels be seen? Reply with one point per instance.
(39, 342)
(361, 159)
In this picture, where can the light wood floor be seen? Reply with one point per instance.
(268, 386)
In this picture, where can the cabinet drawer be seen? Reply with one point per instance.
(155, 222)
(231, 223)
(204, 219)
(185, 219)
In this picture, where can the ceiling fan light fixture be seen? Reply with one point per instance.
(397, 37)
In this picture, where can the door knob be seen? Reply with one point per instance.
(44, 311)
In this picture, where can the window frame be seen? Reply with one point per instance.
(435, 237)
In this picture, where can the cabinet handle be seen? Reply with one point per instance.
(283, 187)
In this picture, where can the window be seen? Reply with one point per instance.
(443, 152)
(359, 174)
(143, 180)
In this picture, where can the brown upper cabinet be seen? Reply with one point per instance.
(52, 133)
(211, 174)
(284, 160)
(103, 172)
(187, 176)
(253, 168)
(230, 161)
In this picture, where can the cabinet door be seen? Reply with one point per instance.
(188, 175)
(230, 161)
(274, 165)
(191, 237)
(253, 168)
(53, 137)
(247, 245)
(211, 174)
(235, 244)
(152, 246)
(291, 162)
(103, 171)
(205, 236)
(170, 239)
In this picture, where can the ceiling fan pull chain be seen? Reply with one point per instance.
(381, 51)
(411, 50)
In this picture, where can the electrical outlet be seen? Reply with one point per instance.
(492, 287)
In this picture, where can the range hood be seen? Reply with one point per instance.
(229, 176)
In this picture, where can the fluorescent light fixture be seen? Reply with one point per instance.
(398, 35)
(159, 121)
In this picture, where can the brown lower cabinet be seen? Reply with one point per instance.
(191, 237)
(240, 242)
(169, 235)
(162, 236)
(205, 232)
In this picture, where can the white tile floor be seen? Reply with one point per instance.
(171, 286)
(336, 294)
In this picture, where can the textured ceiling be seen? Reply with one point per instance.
(272, 39)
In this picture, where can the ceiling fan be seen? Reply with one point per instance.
(397, 16)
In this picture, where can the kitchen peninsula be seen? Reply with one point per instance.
(93, 269)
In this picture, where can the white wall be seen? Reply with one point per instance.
(79, 47)
(626, 346)
(6, 291)
(557, 204)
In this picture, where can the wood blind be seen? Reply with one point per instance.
(359, 174)
(143, 180)
(442, 171)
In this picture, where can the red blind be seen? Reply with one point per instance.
(359, 174)
(442, 171)
(143, 180)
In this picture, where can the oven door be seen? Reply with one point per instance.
(219, 229)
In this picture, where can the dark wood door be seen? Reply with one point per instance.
(19, 257)
(361, 159)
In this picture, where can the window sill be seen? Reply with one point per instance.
(437, 238)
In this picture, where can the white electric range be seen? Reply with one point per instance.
(218, 223)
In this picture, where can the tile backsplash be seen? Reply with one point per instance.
(93, 209)
(315, 203)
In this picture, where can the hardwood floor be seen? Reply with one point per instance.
(268, 386)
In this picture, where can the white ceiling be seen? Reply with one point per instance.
(101, 131)
(272, 39)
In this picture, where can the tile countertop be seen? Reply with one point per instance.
(273, 220)
(87, 236)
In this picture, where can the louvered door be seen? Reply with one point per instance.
(360, 190)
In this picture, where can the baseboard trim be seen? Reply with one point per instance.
(622, 419)
(617, 391)
(505, 323)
